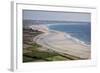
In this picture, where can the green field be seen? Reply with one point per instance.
(37, 55)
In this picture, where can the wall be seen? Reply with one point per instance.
(5, 34)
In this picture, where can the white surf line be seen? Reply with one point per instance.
(67, 35)
(75, 39)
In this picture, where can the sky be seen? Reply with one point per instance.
(56, 16)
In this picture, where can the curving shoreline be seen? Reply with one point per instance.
(57, 41)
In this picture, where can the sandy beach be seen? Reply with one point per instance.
(58, 42)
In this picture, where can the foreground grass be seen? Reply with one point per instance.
(37, 55)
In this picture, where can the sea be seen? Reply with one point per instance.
(80, 31)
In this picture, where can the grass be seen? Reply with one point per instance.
(36, 54)
(56, 58)
(27, 59)
(35, 45)
(45, 56)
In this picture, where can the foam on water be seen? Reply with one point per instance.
(75, 39)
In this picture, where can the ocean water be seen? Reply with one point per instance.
(77, 30)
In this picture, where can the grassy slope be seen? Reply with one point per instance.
(37, 55)
(32, 53)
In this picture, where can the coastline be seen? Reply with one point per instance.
(67, 35)
(77, 40)
(58, 42)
